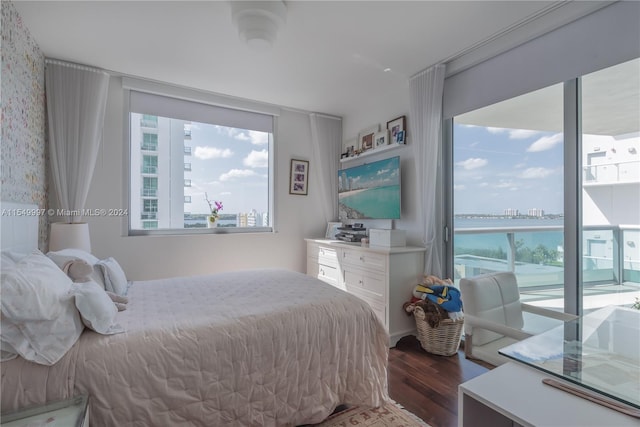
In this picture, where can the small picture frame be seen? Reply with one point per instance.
(299, 179)
(332, 230)
(365, 138)
(396, 126)
(400, 139)
(381, 139)
(366, 142)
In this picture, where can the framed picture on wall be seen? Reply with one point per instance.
(381, 139)
(395, 127)
(366, 142)
(299, 179)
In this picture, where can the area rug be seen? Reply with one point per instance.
(389, 415)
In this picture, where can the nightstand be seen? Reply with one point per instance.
(72, 412)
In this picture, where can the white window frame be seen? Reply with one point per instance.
(130, 84)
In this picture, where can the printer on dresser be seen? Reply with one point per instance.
(384, 277)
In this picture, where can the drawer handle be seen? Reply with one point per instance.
(362, 258)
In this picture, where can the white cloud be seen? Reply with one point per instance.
(535, 173)
(257, 159)
(522, 133)
(253, 136)
(496, 130)
(519, 165)
(545, 143)
(459, 187)
(206, 153)
(483, 184)
(473, 163)
(504, 184)
(258, 138)
(237, 173)
(225, 193)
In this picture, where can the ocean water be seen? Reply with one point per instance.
(549, 239)
(380, 202)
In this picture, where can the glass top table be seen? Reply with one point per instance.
(599, 351)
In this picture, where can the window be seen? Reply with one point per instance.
(150, 209)
(149, 141)
(149, 187)
(582, 136)
(149, 121)
(200, 152)
(149, 164)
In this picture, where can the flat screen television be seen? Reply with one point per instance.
(370, 191)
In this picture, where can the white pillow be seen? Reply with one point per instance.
(63, 256)
(114, 278)
(39, 319)
(96, 308)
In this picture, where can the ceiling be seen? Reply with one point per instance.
(329, 57)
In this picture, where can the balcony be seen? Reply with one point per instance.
(612, 173)
(149, 192)
(187, 151)
(149, 215)
(611, 261)
(149, 146)
(153, 170)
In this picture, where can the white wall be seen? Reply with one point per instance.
(149, 257)
(379, 112)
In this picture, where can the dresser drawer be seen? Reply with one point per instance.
(329, 274)
(368, 260)
(367, 281)
(328, 256)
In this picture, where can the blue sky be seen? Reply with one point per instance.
(231, 166)
(496, 169)
(381, 173)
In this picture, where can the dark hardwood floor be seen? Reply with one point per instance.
(427, 384)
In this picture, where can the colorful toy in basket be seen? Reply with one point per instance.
(440, 292)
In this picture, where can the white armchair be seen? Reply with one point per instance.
(493, 316)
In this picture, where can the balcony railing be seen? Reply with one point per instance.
(149, 215)
(611, 254)
(149, 192)
(150, 169)
(612, 173)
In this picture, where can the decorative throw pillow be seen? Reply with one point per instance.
(114, 278)
(39, 319)
(65, 258)
(97, 310)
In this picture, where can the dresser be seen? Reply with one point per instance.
(383, 277)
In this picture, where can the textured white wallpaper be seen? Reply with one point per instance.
(24, 153)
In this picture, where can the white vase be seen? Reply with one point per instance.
(211, 224)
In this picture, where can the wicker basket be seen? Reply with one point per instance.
(443, 340)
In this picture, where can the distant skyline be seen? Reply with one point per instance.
(497, 169)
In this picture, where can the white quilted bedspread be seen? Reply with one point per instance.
(250, 348)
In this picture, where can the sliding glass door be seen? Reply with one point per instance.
(611, 186)
(547, 185)
(508, 193)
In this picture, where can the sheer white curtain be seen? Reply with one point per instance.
(76, 102)
(326, 138)
(426, 89)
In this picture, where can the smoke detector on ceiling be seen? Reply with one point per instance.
(258, 22)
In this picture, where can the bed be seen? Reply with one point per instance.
(256, 348)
